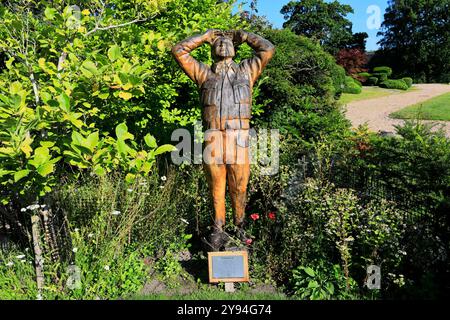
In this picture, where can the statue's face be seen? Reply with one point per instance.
(223, 48)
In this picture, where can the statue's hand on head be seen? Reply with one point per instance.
(239, 37)
(211, 35)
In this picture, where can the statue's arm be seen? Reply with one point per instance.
(196, 70)
(264, 52)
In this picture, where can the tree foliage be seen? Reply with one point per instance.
(353, 60)
(82, 87)
(303, 81)
(320, 20)
(416, 35)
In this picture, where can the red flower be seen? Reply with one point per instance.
(254, 216)
(272, 215)
(248, 241)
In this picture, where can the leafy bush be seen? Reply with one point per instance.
(385, 70)
(408, 81)
(322, 282)
(372, 81)
(351, 86)
(380, 76)
(303, 81)
(394, 84)
(364, 75)
(357, 82)
(338, 76)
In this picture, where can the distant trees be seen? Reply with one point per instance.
(320, 20)
(416, 35)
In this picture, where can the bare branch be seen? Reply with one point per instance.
(97, 28)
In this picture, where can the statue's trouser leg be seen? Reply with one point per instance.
(238, 172)
(216, 174)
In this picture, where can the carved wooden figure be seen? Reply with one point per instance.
(226, 96)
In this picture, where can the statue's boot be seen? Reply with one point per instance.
(217, 239)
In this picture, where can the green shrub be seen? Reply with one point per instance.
(338, 76)
(352, 86)
(365, 75)
(302, 84)
(322, 281)
(394, 84)
(381, 77)
(408, 81)
(385, 70)
(357, 82)
(372, 81)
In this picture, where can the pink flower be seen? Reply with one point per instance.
(254, 216)
(248, 242)
(272, 215)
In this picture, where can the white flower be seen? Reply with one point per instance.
(10, 264)
(106, 268)
(76, 229)
(130, 190)
(90, 235)
(27, 249)
(115, 212)
(21, 256)
(23, 209)
(184, 220)
(75, 249)
(33, 207)
(163, 178)
(161, 187)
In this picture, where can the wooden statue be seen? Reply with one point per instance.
(226, 96)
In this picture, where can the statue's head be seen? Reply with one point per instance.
(223, 47)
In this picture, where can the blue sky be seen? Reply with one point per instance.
(271, 9)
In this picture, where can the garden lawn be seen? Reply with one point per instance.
(213, 294)
(368, 93)
(437, 108)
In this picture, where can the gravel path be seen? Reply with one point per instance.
(375, 112)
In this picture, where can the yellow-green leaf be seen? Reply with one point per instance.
(125, 95)
(20, 174)
(45, 169)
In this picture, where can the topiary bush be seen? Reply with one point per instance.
(357, 82)
(408, 81)
(381, 77)
(385, 70)
(351, 86)
(394, 84)
(365, 74)
(338, 77)
(363, 77)
(372, 81)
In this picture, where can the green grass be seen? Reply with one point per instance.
(437, 108)
(214, 293)
(369, 93)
